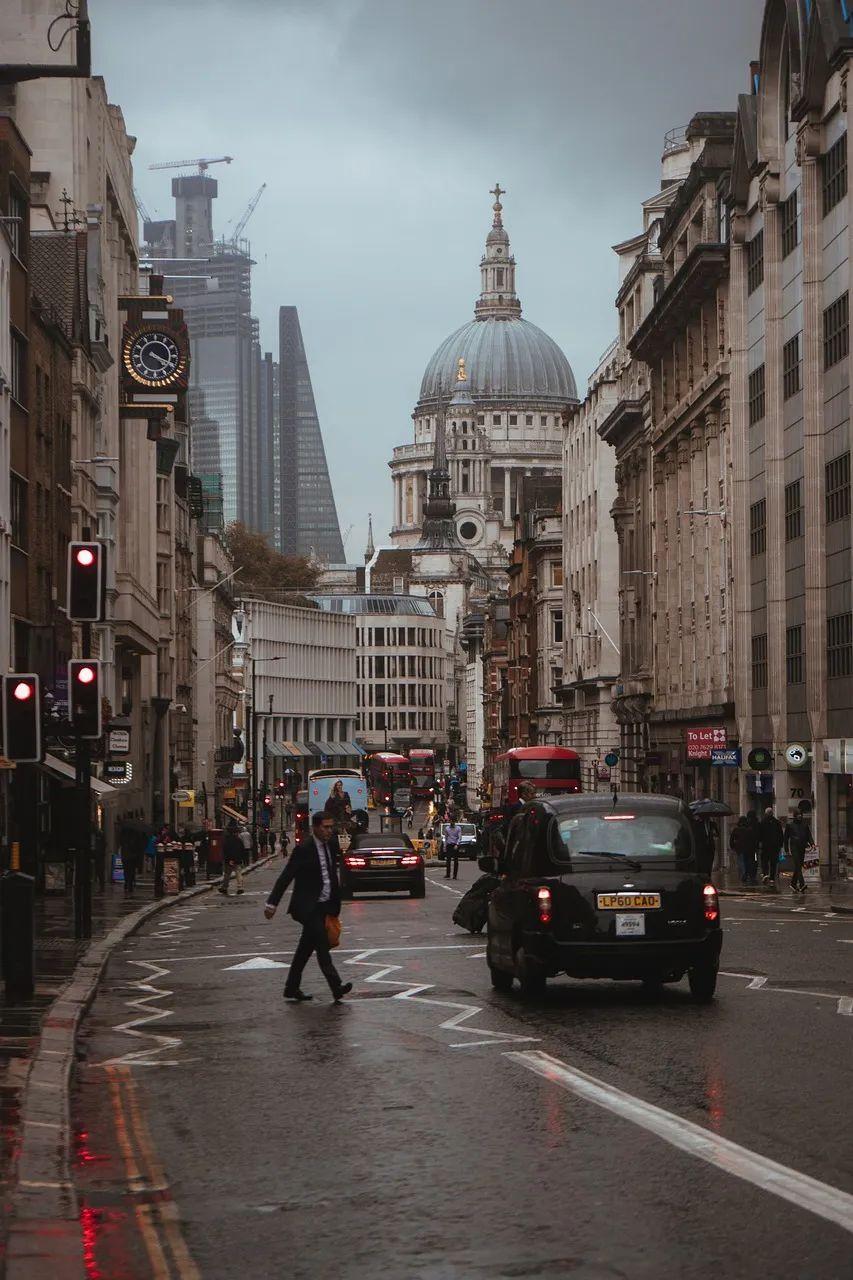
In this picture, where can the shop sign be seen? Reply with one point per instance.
(811, 865)
(699, 742)
(838, 755)
(728, 756)
(118, 742)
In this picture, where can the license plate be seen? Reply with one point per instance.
(628, 901)
(630, 926)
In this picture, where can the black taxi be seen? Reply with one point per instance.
(609, 886)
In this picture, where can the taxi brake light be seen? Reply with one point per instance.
(351, 861)
(619, 817)
(544, 902)
(711, 903)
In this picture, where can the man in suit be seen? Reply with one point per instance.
(313, 870)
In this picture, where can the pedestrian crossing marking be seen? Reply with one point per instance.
(258, 962)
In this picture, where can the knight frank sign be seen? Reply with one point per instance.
(700, 741)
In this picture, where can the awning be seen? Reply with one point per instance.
(67, 772)
(291, 750)
(233, 813)
(353, 749)
(323, 748)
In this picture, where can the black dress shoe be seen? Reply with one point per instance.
(342, 991)
(296, 995)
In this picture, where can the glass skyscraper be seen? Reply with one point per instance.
(306, 516)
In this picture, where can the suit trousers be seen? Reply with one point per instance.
(313, 939)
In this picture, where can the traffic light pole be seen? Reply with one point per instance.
(83, 855)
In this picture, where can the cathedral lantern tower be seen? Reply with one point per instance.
(497, 271)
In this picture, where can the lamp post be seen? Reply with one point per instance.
(253, 793)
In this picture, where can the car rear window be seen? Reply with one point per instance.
(468, 828)
(630, 835)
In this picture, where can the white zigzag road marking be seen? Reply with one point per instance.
(146, 1057)
(454, 1022)
(178, 922)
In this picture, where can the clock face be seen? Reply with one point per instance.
(154, 358)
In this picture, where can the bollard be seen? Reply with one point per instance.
(159, 856)
(17, 897)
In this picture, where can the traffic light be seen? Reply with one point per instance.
(22, 718)
(84, 697)
(85, 581)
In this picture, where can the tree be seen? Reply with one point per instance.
(266, 574)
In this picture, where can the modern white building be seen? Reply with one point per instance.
(592, 594)
(400, 669)
(301, 662)
(508, 427)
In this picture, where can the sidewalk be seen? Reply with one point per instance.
(829, 895)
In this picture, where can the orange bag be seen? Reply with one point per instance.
(333, 931)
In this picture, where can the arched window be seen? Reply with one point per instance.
(436, 599)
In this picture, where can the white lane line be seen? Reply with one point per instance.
(760, 984)
(757, 984)
(460, 893)
(341, 951)
(845, 1005)
(819, 1198)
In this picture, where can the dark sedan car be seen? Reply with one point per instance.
(380, 862)
(604, 887)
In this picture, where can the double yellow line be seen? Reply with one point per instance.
(157, 1217)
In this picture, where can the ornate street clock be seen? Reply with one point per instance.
(155, 355)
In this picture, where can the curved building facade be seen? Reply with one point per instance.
(505, 426)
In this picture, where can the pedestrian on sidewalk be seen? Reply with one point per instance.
(245, 837)
(744, 841)
(132, 845)
(313, 871)
(772, 837)
(409, 815)
(798, 837)
(233, 855)
(452, 836)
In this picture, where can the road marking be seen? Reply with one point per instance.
(757, 984)
(259, 962)
(845, 1005)
(460, 893)
(414, 993)
(761, 984)
(288, 951)
(146, 1057)
(799, 1189)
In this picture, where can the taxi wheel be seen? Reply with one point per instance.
(531, 977)
(501, 980)
(418, 890)
(703, 981)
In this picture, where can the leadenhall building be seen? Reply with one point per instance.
(790, 373)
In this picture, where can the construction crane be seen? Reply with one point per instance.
(203, 165)
(252, 206)
(140, 207)
(346, 536)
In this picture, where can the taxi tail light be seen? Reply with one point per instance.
(410, 860)
(711, 903)
(545, 902)
(351, 861)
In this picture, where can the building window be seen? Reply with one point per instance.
(556, 626)
(18, 498)
(18, 372)
(790, 225)
(755, 262)
(839, 645)
(756, 395)
(399, 585)
(791, 367)
(836, 331)
(528, 420)
(793, 510)
(163, 586)
(794, 655)
(758, 528)
(17, 219)
(759, 662)
(496, 419)
(838, 488)
(513, 419)
(163, 504)
(543, 420)
(556, 573)
(834, 173)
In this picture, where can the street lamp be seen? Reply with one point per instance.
(254, 741)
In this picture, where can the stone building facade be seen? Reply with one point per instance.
(589, 579)
(791, 390)
(684, 340)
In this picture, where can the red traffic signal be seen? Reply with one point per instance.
(84, 697)
(85, 581)
(22, 718)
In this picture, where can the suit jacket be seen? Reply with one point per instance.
(303, 871)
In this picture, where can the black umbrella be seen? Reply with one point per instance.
(711, 809)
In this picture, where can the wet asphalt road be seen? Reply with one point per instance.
(224, 1133)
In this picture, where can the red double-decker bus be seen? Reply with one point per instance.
(389, 779)
(550, 769)
(423, 773)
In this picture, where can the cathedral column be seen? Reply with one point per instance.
(507, 496)
(416, 499)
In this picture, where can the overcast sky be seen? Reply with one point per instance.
(379, 127)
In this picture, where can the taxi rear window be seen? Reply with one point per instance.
(631, 835)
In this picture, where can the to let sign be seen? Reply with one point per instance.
(700, 742)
